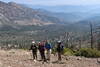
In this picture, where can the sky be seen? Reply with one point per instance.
(55, 2)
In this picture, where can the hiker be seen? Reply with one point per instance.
(41, 48)
(34, 50)
(59, 50)
(48, 50)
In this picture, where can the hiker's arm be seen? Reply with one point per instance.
(30, 48)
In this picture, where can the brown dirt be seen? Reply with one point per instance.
(22, 58)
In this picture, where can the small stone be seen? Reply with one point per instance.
(79, 59)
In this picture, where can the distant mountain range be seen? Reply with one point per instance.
(24, 23)
(71, 13)
(67, 8)
(15, 16)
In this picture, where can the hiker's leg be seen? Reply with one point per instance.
(48, 54)
(36, 55)
(43, 54)
(33, 55)
(59, 56)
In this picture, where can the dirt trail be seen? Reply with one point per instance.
(21, 58)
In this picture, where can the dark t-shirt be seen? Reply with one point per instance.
(33, 48)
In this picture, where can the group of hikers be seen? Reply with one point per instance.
(44, 49)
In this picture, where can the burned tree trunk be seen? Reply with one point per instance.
(91, 34)
(98, 46)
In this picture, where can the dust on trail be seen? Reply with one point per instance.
(22, 58)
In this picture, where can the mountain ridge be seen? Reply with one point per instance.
(22, 15)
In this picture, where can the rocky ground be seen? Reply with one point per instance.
(22, 58)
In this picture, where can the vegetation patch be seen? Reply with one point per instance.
(68, 52)
(88, 52)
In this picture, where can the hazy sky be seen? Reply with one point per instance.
(57, 2)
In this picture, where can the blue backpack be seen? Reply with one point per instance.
(48, 46)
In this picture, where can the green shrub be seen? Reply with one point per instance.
(88, 52)
(68, 52)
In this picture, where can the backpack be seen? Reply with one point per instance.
(48, 46)
(60, 48)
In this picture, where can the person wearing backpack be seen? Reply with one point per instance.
(59, 50)
(34, 50)
(48, 50)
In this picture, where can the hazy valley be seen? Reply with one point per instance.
(18, 21)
